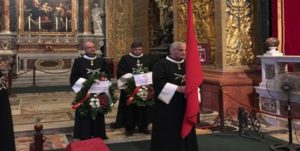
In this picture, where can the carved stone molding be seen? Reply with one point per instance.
(7, 42)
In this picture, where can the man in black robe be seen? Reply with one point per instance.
(170, 103)
(85, 127)
(7, 139)
(131, 115)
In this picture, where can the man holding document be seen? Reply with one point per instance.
(169, 82)
(89, 125)
(134, 79)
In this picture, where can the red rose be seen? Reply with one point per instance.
(103, 100)
(150, 92)
(102, 78)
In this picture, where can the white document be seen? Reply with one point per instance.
(78, 84)
(99, 87)
(143, 79)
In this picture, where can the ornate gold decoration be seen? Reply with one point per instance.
(239, 20)
(203, 11)
(181, 20)
(205, 24)
(119, 22)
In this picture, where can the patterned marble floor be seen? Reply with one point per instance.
(54, 111)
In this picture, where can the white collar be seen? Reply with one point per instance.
(134, 56)
(174, 61)
(89, 58)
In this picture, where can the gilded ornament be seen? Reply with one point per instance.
(239, 20)
(203, 11)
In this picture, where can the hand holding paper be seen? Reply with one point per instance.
(99, 87)
(143, 79)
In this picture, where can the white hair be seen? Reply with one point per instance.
(176, 44)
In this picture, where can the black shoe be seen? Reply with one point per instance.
(145, 131)
(115, 126)
(129, 133)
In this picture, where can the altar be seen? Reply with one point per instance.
(275, 101)
(46, 53)
(44, 37)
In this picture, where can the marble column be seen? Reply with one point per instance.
(6, 6)
(86, 17)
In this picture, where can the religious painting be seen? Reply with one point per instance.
(203, 49)
(47, 16)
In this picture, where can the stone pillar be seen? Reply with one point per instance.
(87, 17)
(230, 73)
(7, 38)
(6, 6)
(7, 44)
(234, 76)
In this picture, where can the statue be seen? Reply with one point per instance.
(97, 14)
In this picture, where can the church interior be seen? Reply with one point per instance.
(248, 49)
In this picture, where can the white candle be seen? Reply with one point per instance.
(39, 23)
(56, 24)
(29, 20)
(19, 22)
(66, 24)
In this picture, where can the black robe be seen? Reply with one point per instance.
(7, 139)
(131, 116)
(167, 121)
(84, 126)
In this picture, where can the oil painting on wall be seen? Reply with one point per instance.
(47, 15)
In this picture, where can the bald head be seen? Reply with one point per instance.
(89, 48)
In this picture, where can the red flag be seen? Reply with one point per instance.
(193, 74)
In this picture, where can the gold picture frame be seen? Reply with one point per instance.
(47, 17)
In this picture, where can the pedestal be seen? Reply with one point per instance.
(270, 99)
(226, 92)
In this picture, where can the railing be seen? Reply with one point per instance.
(34, 74)
(109, 65)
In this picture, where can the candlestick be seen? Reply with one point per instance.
(56, 24)
(40, 23)
(66, 24)
(75, 22)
